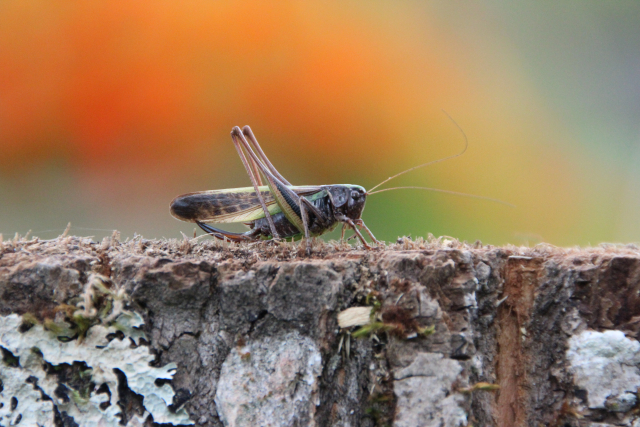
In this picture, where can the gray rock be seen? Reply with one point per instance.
(253, 332)
(605, 364)
(425, 395)
(270, 382)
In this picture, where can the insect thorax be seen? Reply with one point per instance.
(347, 199)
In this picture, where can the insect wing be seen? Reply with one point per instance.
(230, 205)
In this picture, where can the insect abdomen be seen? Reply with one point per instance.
(188, 208)
(283, 226)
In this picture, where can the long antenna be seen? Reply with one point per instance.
(466, 145)
(455, 193)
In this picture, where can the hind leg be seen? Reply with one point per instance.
(228, 235)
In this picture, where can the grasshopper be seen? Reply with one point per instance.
(280, 210)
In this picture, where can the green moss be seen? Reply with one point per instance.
(372, 328)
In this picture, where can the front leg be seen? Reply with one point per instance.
(360, 222)
(352, 224)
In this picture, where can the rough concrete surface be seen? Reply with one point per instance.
(460, 335)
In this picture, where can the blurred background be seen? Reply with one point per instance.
(108, 110)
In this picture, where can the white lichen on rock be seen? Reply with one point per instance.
(20, 403)
(270, 382)
(424, 392)
(606, 365)
(24, 399)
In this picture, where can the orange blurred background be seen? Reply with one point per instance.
(108, 110)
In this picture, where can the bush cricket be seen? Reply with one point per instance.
(280, 210)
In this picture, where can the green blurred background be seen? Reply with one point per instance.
(108, 110)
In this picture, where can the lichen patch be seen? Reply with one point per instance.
(32, 389)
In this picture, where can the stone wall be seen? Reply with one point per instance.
(458, 335)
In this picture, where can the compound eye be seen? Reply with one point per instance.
(355, 195)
